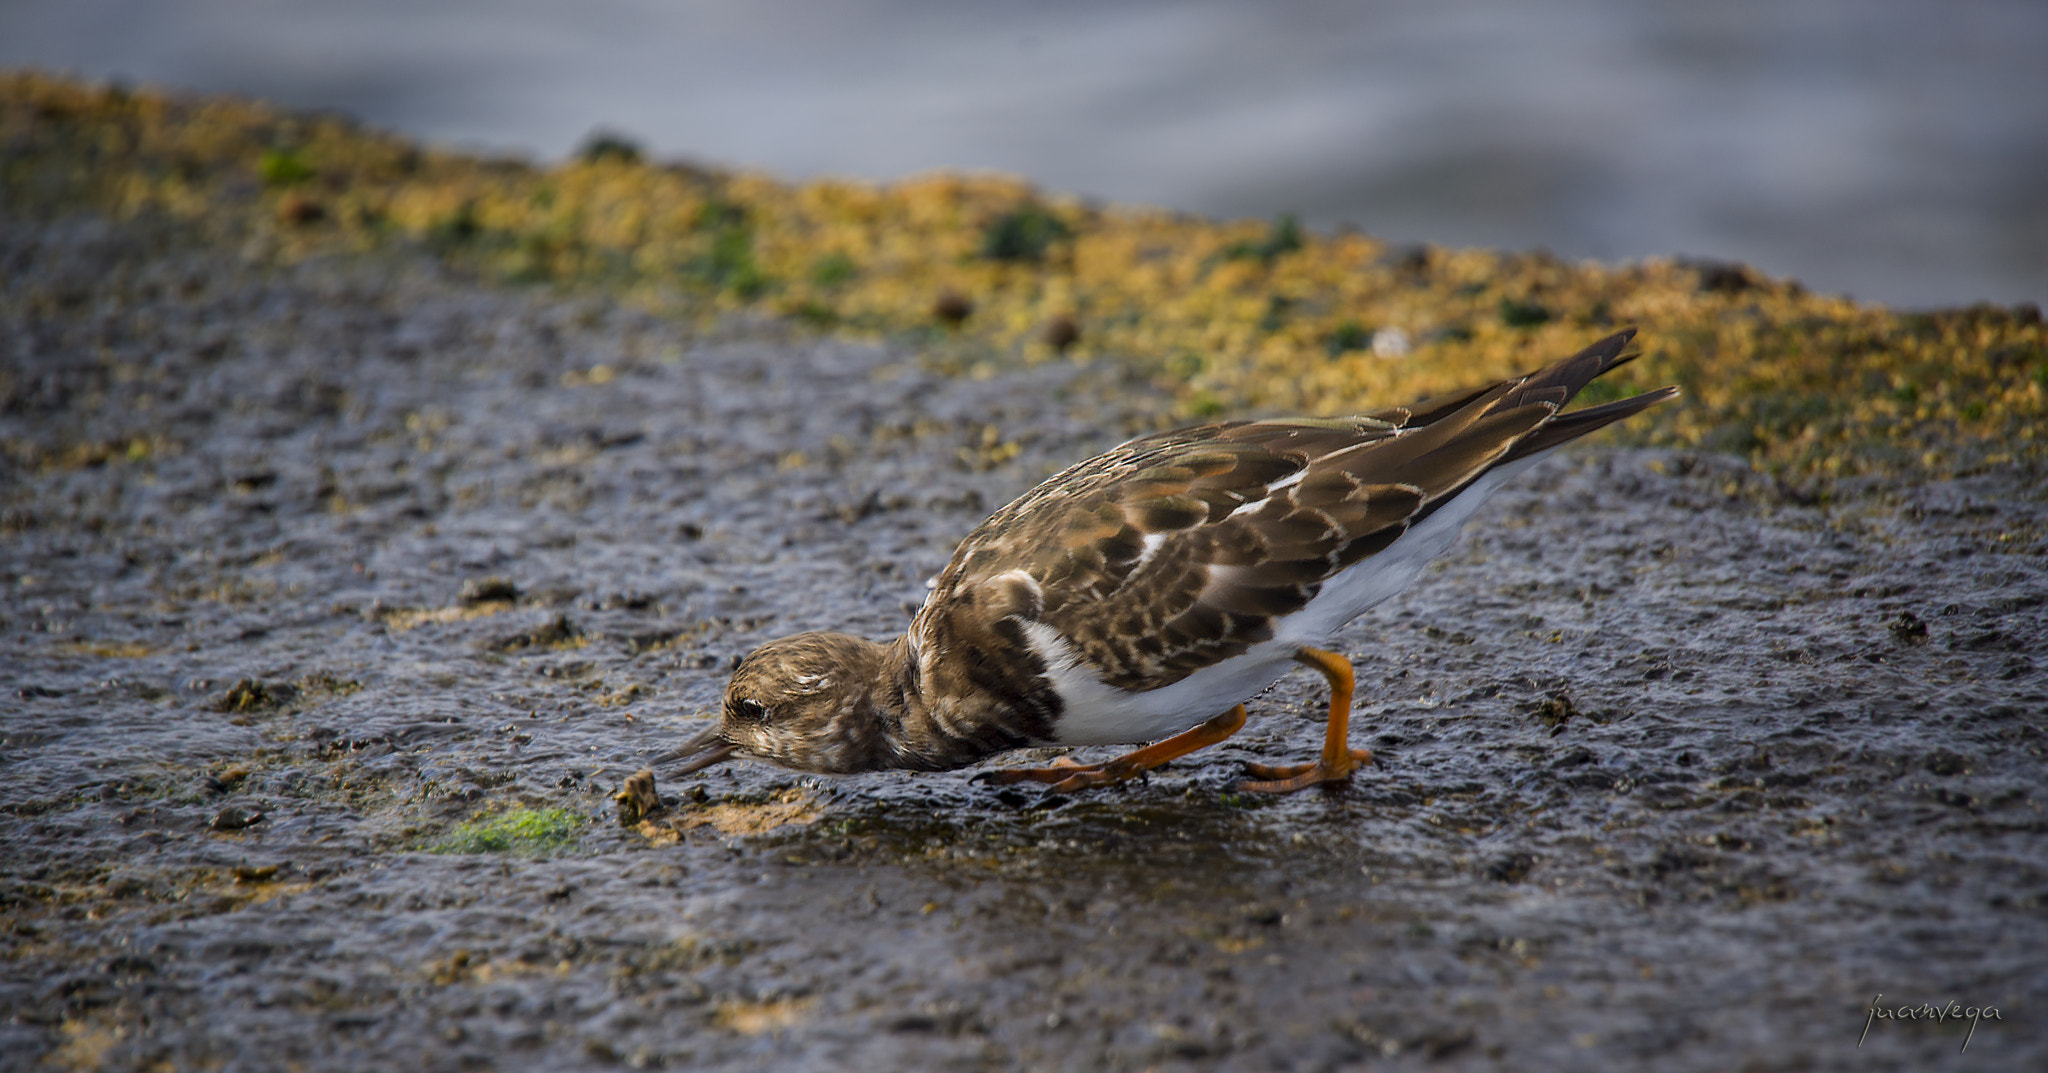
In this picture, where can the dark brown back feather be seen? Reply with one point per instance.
(1230, 551)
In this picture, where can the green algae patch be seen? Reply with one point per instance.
(522, 832)
(1235, 318)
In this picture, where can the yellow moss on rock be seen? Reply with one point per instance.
(1237, 316)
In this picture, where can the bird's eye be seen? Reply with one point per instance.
(749, 710)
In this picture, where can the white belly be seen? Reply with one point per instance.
(1099, 714)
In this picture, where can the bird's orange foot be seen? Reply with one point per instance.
(1287, 778)
(1065, 775)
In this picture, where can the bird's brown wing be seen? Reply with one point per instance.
(1179, 549)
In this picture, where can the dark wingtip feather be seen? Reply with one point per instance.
(1573, 374)
(1561, 382)
(1567, 427)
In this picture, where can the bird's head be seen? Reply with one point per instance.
(805, 702)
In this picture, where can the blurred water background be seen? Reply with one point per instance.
(1896, 150)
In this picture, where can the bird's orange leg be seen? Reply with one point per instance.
(1067, 776)
(1338, 756)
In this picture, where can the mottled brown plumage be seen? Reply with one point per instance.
(1176, 560)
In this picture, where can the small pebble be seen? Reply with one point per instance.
(235, 819)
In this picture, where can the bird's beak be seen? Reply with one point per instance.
(700, 752)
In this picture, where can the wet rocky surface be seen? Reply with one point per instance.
(311, 577)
